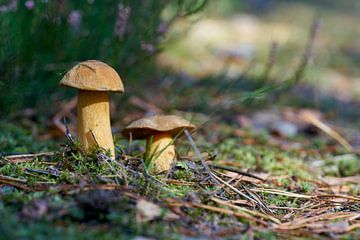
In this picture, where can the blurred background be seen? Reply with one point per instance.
(218, 58)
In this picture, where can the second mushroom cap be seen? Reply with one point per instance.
(159, 132)
(145, 127)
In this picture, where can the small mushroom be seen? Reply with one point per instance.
(94, 79)
(159, 131)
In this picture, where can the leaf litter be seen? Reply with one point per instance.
(267, 185)
(201, 196)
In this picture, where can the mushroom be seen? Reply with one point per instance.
(159, 132)
(94, 79)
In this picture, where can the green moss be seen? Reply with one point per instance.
(15, 140)
(306, 187)
(263, 158)
(342, 165)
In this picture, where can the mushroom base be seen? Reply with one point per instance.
(94, 114)
(161, 151)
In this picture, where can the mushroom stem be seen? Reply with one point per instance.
(94, 114)
(162, 151)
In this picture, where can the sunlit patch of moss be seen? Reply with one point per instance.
(281, 201)
(306, 187)
(180, 191)
(183, 175)
(262, 158)
(284, 182)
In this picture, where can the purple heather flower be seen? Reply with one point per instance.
(29, 4)
(75, 18)
(148, 47)
(121, 20)
(11, 6)
(163, 27)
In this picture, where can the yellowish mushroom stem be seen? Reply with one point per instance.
(162, 151)
(94, 114)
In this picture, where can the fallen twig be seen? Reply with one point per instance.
(281, 192)
(223, 211)
(11, 179)
(198, 154)
(305, 222)
(20, 158)
(311, 118)
(257, 214)
(235, 170)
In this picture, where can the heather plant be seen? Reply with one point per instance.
(40, 40)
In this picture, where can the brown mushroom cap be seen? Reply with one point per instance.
(145, 127)
(93, 75)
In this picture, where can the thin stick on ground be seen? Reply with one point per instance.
(231, 169)
(20, 158)
(198, 155)
(225, 211)
(235, 189)
(258, 214)
(307, 116)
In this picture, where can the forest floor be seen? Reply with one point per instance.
(276, 160)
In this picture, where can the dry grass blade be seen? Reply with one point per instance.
(258, 199)
(27, 157)
(311, 118)
(16, 185)
(11, 179)
(232, 169)
(254, 213)
(297, 195)
(233, 188)
(338, 196)
(307, 222)
(198, 154)
(283, 193)
(221, 187)
(225, 211)
(251, 198)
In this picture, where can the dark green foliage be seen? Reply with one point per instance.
(38, 44)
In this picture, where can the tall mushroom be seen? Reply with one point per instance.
(159, 131)
(94, 79)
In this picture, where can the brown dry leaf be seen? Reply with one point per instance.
(310, 117)
(147, 211)
(325, 227)
(292, 115)
(334, 181)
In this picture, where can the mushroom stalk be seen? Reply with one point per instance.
(161, 151)
(94, 114)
